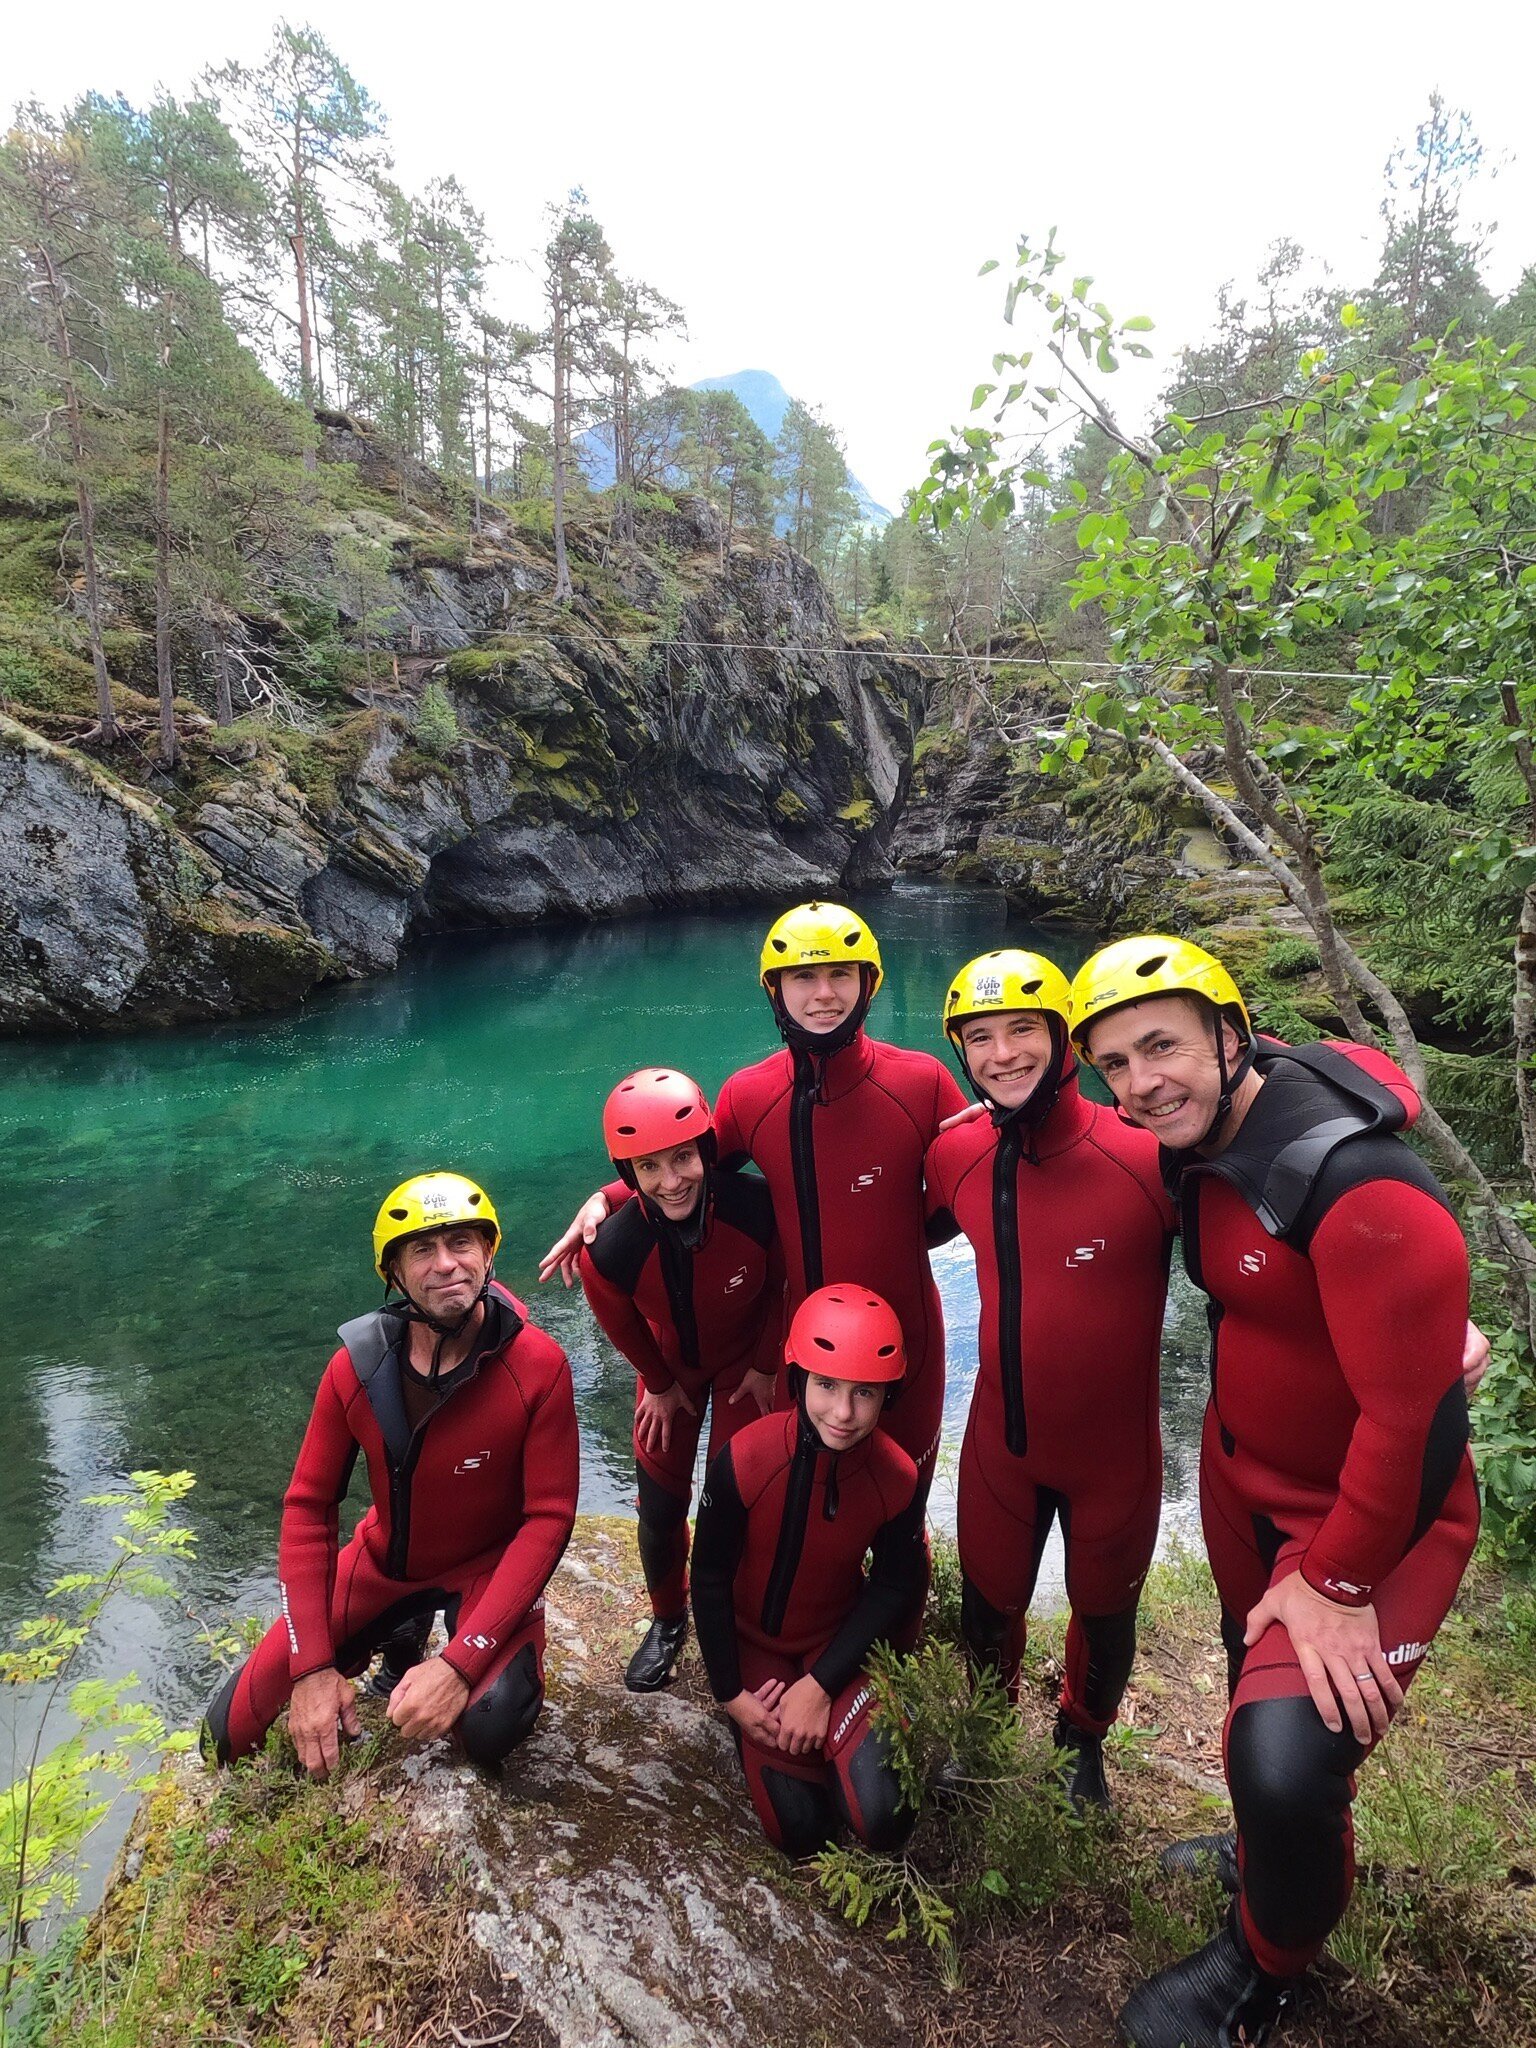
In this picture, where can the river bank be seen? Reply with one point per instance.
(616, 1896)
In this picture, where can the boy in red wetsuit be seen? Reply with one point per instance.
(838, 1124)
(686, 1279)
(785, 1614)
(464, 1414)
(1066, 1211)
(1337, 1492)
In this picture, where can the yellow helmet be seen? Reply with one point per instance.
(815, 933)
(1153, 965)
(430, 1201)
(1009, 979)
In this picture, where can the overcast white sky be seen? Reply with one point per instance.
(817, 185)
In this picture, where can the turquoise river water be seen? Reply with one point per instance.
(186, 1220)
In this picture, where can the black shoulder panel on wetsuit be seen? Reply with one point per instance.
(743, 1201)
(1377, 1155)
(624, 1241)
(369, 1340)
(1315, 1103)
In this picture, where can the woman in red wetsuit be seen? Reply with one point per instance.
(686, 1279)
(463, 1413)
(1336, 1488)
(1065, 1209)
(838, 1124)
(785, 1614)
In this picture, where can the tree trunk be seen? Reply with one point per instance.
(1525, 1028)
(164, 679)
(296, 242)
(565, 590)
(223, 702)
(84, 503)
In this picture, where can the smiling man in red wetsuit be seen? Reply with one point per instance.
(1066, 1212)
(838, 1124)
(785, 1614)
(464, 1414)
(1337, 1492)
(686, 1279)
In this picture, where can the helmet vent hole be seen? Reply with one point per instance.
(1147, 967)
(626, 1130)
(852, 938)
(474, 1201)
(823, 1343)
(779, 946)
(682, 1115)
(400, 1215)
(886, 1351)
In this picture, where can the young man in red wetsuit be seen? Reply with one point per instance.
(686, 1279)
(785, 1614)
(838, 1124)
(464, 1415)
(1337, 1492)
(1065, 1209)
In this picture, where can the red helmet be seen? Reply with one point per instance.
(847, 1333)
(653, 1110)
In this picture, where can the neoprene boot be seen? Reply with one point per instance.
(1083, 1772)
(1204, 1856)
(651, 1666)
(400, 1653)
(1216, 1998)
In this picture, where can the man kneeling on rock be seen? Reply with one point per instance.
(465, 1416)
(786, 1616)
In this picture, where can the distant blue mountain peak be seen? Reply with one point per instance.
(764, 398)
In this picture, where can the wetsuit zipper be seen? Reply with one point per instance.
(677, 1277)
(1189, 1240)
(1010, 1278)
(802, 1157)
(797, 1512)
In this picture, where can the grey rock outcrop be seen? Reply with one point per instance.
(626, 1888)
(106, 907)
(732, 747)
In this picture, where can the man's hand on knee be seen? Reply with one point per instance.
(1340, 1654)
(428, 1700)
(319, 1702)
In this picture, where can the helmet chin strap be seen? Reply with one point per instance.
(1230, 1082)
(409, 1310)
(1032, 1112)
(823, 1045)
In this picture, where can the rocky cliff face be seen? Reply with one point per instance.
(703, 733)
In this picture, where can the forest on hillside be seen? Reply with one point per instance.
(189, 289)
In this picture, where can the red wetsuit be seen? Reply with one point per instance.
(695, 1315)
(780, 1591)
(470, 1513)
(840, 1143)
(1335, 1440)
(1071, 1227)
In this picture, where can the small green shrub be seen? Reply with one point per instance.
(437, 723)
(1287, 959)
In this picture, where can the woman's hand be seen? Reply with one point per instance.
(653, 1418)
(761, 1386)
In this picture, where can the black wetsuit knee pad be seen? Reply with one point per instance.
(805, 1814)
(504, 1715)
(983, 1627)
(1289, 1778)
(882, 1821)
(215, 1730)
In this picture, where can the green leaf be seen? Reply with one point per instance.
(1349, 314)
(990, 264)
(1138, 324)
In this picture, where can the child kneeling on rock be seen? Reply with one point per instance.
(786, 1615)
